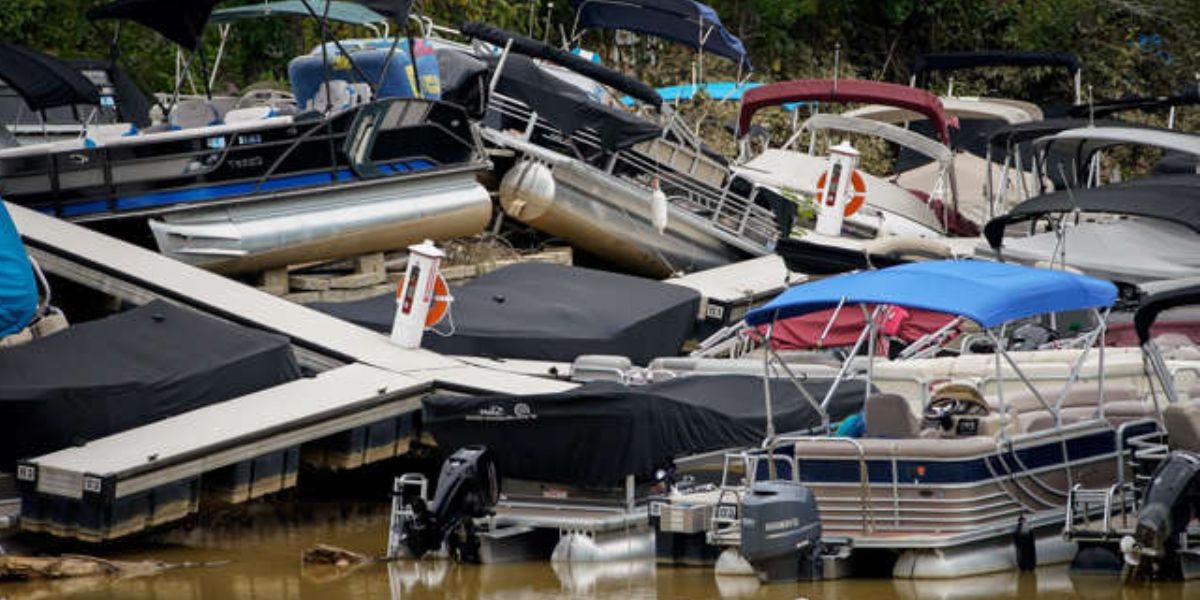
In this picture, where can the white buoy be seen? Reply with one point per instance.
(416, 294)
(659, 212)
(834, 189)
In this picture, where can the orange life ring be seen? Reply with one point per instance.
(441, 301)
(860, 191)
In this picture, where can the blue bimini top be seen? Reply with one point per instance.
(18, 290)
(988, 293)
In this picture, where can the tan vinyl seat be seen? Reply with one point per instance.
(1183, 425)
(888, 416)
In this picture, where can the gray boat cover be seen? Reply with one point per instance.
(1126, 250)
(598, 434)
(1174, 198)
(101, 377)
(550, 312)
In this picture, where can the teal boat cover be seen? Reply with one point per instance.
(18, 290)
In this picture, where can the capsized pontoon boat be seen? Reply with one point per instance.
(977, 484)
(642, 194)
(255, 187)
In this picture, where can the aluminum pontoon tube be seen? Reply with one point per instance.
(334, 222)
(609, 217)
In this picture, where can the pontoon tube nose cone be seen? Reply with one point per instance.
(527, 190)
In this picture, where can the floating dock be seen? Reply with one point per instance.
(361, 406)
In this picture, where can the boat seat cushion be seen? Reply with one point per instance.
(1182, 421)
(888, 416)
(193, 113)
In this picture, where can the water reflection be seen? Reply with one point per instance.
(265, 547)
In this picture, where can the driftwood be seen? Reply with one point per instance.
(26, 568)
(323, 563)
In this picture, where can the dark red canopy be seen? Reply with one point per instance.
(845, 90)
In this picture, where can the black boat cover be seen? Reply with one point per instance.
(684, 21)
(146, 364)
(955, 61)
(44, 81)
(535, 49)
(601, 432)
(568, 107)
(550, 312)
(180, 22)
(1174, 198)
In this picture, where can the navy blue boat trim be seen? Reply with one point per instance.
(228, 190)
(973, 470)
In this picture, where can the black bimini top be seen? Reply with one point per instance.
(181, 22)
(535, 49)
(601, 432)
(1174, 198)
(1188, 95)
(957, 61)
(1156, 303)
(44, 81)
(568, 107)
(1021, 133)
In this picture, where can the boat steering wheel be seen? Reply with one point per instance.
(943, 410)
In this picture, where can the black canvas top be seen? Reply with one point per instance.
(1155, 304)
(550, 312)
(181, 21)
(569, 108)
(601, 432)
(101, 377)
(1021, 133)
(535, 49)
(1173, 198)
(1187, 96)
(131, 104)
(955, 61)
(44, 81)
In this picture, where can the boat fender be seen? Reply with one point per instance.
(658, 209)
(1025, 546)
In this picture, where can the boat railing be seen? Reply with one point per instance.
(1141, 454)
(690, 191)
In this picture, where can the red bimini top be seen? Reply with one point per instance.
(845, 90)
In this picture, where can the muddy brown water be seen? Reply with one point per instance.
(263, 543)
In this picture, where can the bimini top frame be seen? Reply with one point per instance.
(990, 294)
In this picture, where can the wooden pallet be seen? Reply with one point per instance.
(376, 274)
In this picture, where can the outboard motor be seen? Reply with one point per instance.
(468, 488)
(781, 532)
(1171, 501)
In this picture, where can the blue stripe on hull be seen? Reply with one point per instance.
(228, 190)
(972, 470)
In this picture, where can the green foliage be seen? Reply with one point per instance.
(786, 38)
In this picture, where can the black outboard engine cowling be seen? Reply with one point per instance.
(468, 488)
(781, 532)
(1170, 502)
